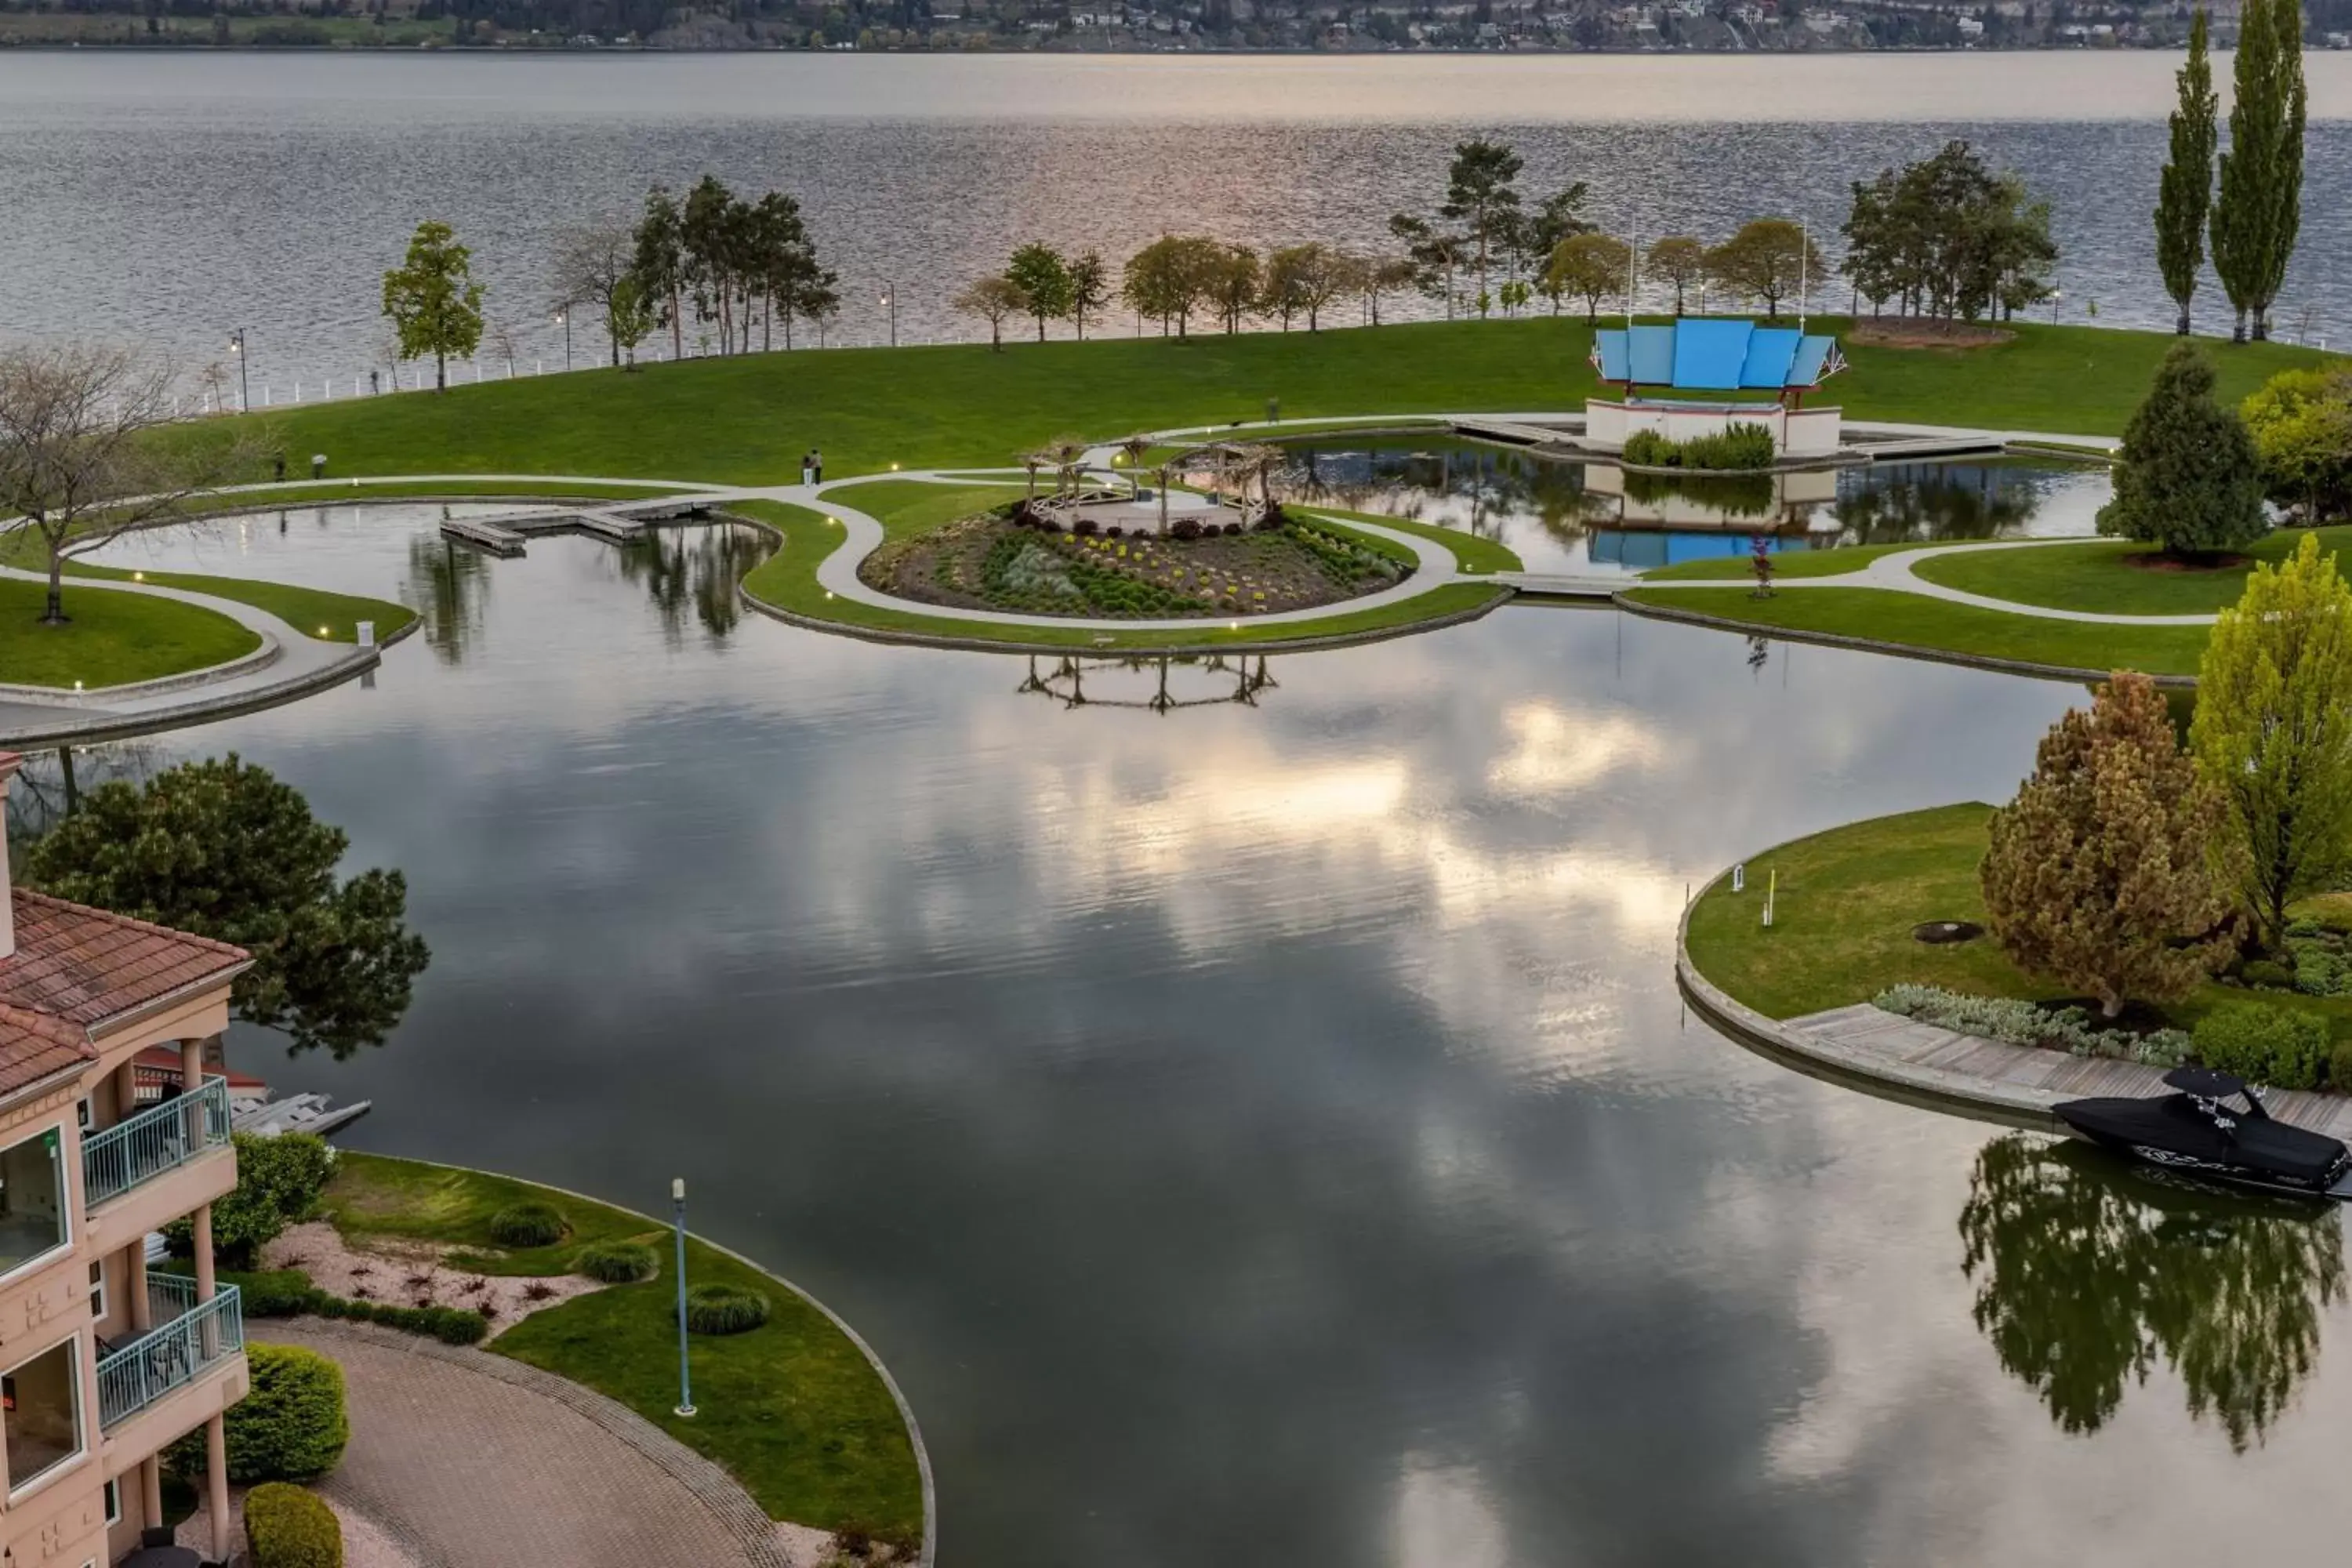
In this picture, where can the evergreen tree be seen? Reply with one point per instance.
(2185, 196)
(2099, 874)
(433, 302)
(2189, 477)
(660, 264)
(1482, 195)
(2273, 732)
(2259, 209)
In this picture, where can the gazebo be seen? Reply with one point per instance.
(1709, 355)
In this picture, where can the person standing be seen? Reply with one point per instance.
(816, 467)
(808, 468)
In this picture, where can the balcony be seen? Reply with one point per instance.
(159, 1140)
(192, 1338)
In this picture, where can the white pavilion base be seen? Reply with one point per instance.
(1796, 432)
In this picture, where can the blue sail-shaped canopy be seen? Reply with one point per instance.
(1709, 354)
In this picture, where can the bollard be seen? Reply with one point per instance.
(318, 465)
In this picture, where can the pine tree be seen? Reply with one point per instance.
(2099, 874)
(2189, 477)
(2185, 196)
(2273, 732)
(2259, 210)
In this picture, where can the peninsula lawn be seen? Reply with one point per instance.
(1844, 911)
(111, 638)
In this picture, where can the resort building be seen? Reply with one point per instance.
(103, 1361)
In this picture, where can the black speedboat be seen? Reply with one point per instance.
(2215, 1127)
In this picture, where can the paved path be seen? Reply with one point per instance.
(472, 1460)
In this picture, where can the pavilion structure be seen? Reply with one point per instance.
(1729, 358)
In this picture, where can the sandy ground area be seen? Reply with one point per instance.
(413, 1274)
(366, 1545)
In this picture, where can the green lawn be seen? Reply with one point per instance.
(1472, 554)
(792, 1408)
(1911, 620)
(1785, 563)
(1842, 915)
(314, 612)
(749, 418)
(2099, 574)
(111, 638)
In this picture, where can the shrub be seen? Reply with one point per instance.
(1740, 444)
(285, 1527)
(2262, 1043)
(2339, 1066)
(1184, 528)
(2028, 1024)
(279, 1181)
(724, 1309)
(617, 1262)
(526, 1225)
(1651, 450)
(290, 1427)
(1084, 528)
(2188, 474)
(1232, 529)
(2263, 971)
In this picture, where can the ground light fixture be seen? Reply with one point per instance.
(685, 1385)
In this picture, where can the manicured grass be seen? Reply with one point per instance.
(791, 1408)
(112, 638)
(907, 506)
(749, 418)
(1842, 914)
(1785, 563)
(1912, 620)
(1472, 554)
(2099, 575)
(787, 580)
(314, 612)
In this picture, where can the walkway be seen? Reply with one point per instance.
(470, 1460)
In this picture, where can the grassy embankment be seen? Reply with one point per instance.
(792, 1408)
(112, 638)
(1842, 916)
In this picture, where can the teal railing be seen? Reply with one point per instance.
(196, 1337)
(159, 1139)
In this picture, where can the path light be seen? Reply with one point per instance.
(139, 576)
(323, 632)
(685, 1389)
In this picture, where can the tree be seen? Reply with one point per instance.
(2189, 477)
(222, 849)
(279, 1180)
(2301, 422)
(1089, 289)
(2185, 193)
(1044, 280)
(659, 264)
(993, 299)
(433, 302)
(1306, 277)
(1679, 258)
(84, 454)
(2259, 208)
(1768, 259)
(711, 232)
(1168, 279)
(2100, 874)
(1230, 278)
(1594, 265)
(2273, 732)
(1561, 216)
(629, 318)
(592, 265)
(1481, 195)
(1947, 236)
(1436, 255)
(780, 265)
(1378, 275)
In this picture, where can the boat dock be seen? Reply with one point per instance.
(1903, 448)
(1514, 433)
(503, 532)
(1561, 585)
(482, 534)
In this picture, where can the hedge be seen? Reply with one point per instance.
(288, 1293)
(291, 1428)
(285, 1527)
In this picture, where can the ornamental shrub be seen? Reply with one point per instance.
(1086, 528)
(1651, 450)
(2339, 1066)
(2020, 1023)
(285, 1527)
(1740, 444)
(1184, 528)
(526, 1225)
(617, 1262)
(724, 1309)
(2262, 1043)
(290, 1427)
(279, 1180)
(2188, 478)
(2262, 972)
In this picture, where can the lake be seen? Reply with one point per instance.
(1269, 1131)
(171, 198)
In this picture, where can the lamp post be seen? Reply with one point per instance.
(243, 386)
(685, 1387)
(2055, 295)
(563, 319)
(890, 303)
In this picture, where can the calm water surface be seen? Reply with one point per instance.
(171, 198)
(1270, 1133)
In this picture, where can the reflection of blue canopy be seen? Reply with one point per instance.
(1706, 354)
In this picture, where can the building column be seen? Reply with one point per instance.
(217, 1483)
(203, 1219)
(143, 1314)
(151, 1491)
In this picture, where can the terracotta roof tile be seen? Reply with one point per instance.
(87, 967)
(33, 1046)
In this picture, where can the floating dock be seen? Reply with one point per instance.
(503, 532)
(1561, 585)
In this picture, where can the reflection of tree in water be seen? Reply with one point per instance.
(51, 783)
(2087, 1274)
(1498, 486)
(446, 585)
(1733, 495)
(1213, 678)
(697, 568)
(1898, 502)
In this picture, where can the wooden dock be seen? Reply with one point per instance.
(1918, 448)
(483, 535)
(1512, 433)
(1561, 585)
(503, 532)
(1909, 1048)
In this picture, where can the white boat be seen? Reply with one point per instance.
(298, 1113)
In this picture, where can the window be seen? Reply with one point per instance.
(115, 1502)
(97, 1290)
(32, 1199)
(41, 1402)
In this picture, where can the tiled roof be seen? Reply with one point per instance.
(33, 1046)
(87, 967)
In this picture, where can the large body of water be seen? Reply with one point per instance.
(1270, 1133)
(171, 198)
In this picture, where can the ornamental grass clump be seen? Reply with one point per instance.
(724, 1309)
(2101, 872)
(617, 1262)
(526, 1225)
(285, 1527)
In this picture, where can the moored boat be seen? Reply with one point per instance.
(2214, 1125)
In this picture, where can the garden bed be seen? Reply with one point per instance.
(990, 561)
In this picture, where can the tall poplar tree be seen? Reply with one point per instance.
(2260, 206)
(2185, 197)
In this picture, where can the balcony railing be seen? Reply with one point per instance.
(159, 1139)
(198, 1336)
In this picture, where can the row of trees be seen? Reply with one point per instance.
(2253, 222)
(1947, 236)
(1769, 260)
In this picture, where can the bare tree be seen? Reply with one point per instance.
(502, 344)
(85, 454)
(591, 264)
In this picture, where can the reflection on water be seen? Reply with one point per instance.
(1198, 680)
(446, 585)
(2089, 1273)
(1562, 516)
(697, 568)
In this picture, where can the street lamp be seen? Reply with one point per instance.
(684, 1388)
(563, 319)
(2055, 295)
(890, 303)
(243, 386)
